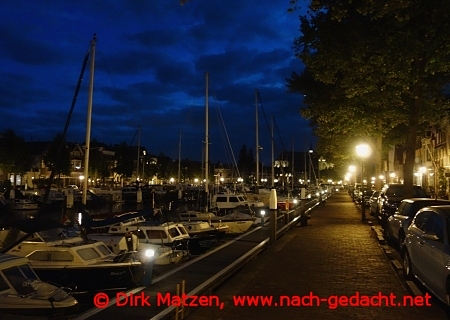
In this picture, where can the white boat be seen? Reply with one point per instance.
(203, 227)
(227, 200)
(168, 234)
(237, 221)
(23, 293)
(75, 262)
(117, 243)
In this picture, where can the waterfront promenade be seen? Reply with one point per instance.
(336, 256)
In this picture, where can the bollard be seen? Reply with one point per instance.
(148, 273)
(262, 217)
(273, 215)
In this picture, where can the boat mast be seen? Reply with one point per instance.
(206, 143)
(293, 152)
(179, 159)
(138, 154)
(88, 121)
(273, 156)
(257, 137)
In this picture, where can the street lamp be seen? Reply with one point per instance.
(320, 166)
(351, 170)
(363, 151)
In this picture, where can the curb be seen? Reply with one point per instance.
(411, 287)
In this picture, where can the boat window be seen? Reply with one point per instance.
(28, 272)
(221, 199)
(42, 255)
(156, 234)
(19, 282)
(174, 232)
(234, 199)
(3, 285)
(88, 253)
(241, 199)
(182, 230)
(141, 234)
(103, 249)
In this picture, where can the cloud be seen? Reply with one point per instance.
(150, 64)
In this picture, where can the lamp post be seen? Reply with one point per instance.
(352, 170)
(363, 151)
(320, 166)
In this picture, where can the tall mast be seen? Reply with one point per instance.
(292, 181)
(138, 153)
(88, 121)
(179, 159)
(273, 157)
(206, 143)
(257, 137)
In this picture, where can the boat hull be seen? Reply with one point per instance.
(95, 278)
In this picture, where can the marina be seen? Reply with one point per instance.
(199, 271)
(199, 274)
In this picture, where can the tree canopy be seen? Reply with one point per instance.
(14, 153)
(373, 70)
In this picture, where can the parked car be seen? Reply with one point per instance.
(373, 203)
(398, 224)
(426, 250)
(390, 197)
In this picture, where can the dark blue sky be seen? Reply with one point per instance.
(151, 59)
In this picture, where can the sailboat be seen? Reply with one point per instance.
(23, 293)
(237, 222)
(76, 260)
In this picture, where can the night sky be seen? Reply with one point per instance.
(150, 65)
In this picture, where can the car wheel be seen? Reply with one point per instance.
(407, 268)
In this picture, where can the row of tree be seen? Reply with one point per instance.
(376, 71)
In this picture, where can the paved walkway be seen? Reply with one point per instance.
(335, 255)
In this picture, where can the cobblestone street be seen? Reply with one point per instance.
(335, 255)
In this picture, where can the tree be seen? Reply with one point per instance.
(246, 161)
(373, 69)
(125, 160)
(51, 156)
(14, 154)
(99, 165)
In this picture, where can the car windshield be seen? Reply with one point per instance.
(395, 191)
(398, 191)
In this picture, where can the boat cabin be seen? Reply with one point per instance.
(229, 200)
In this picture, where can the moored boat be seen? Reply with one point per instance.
(22, 292)
(237, 221)
(74, 261)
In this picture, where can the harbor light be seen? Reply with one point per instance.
(262, 217)
(149, 253)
